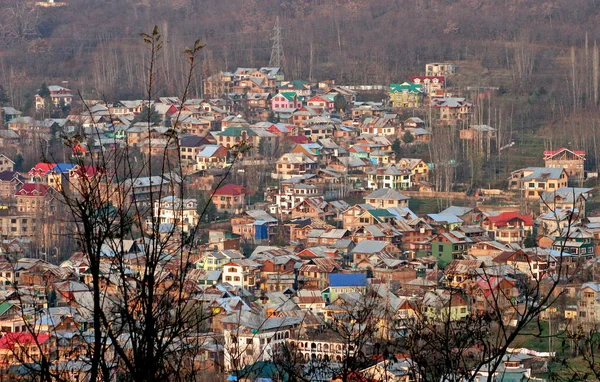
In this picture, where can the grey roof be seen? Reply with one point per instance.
(445, 218)
(456, 211)
(386, 193)
(261, 215)
(568, 194)
(370, 246)
(542, 173)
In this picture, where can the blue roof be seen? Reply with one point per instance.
(347, 279)
(62, 168)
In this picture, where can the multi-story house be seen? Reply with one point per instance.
(286, 100)
(6, 164)
(218, 85)
(568, 198)
(588, 308)
(406, 95)
(452, 110)
(212, 156)
(448, 246)
(241, 273)
(491, 294)
(251, 338)
(344, 283)
(324, 101)
(58, 96)
(389, 176)
(508, 227)
(290, 165)
(34, 199)
(532, 182)
(386, 198)
(10, 182)
(531, 264)
(230, 198)
(177, 212)
(418, 168)
(433, 86)
(576, 243)
(214, 260)
(571, 160)
(254, 225)
(441, 305)
(439, 69)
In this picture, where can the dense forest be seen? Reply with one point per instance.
(541, 54)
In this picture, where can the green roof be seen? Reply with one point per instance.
(381, 213)
(406, 86)
(289, 95)
(4, 307)
(237, 132)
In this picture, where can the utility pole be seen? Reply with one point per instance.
(277, 55)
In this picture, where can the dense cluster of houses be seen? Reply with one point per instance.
(333, 226)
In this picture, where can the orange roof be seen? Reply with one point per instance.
(231, 189)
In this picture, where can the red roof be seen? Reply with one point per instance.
(231, 189)
(33, 189)
(41, 168)
(298, 139)
(550, 153)
(9, 340)
(505, 217)
(89, 171)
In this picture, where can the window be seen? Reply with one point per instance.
(440, 248)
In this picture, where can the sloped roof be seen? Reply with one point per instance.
(370, 246)
(505, 217)
(231, 189)
(386, 193)
(347, 279)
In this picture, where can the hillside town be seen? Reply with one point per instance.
(299, 203)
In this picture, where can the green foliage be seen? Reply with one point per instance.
(408, 137)
(18, 162)
(340, 103)
(44, 91)
(529, 241)
(147, 115)
(204, 201)
(3, 96)
(397, 148)
(273, 118)
(52, 298)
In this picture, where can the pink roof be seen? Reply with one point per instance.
(33, 189)
(505, 217)
(442, 79)
(231, 189)
(9, 340)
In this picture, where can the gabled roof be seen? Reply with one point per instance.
(231, 189)
(505, 217)
(370, 246)
(41, 168)
(549, 154)
(33, 189)
(209, 151)
(387, 194)
(406, 87)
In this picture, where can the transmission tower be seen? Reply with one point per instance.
(277, 55)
